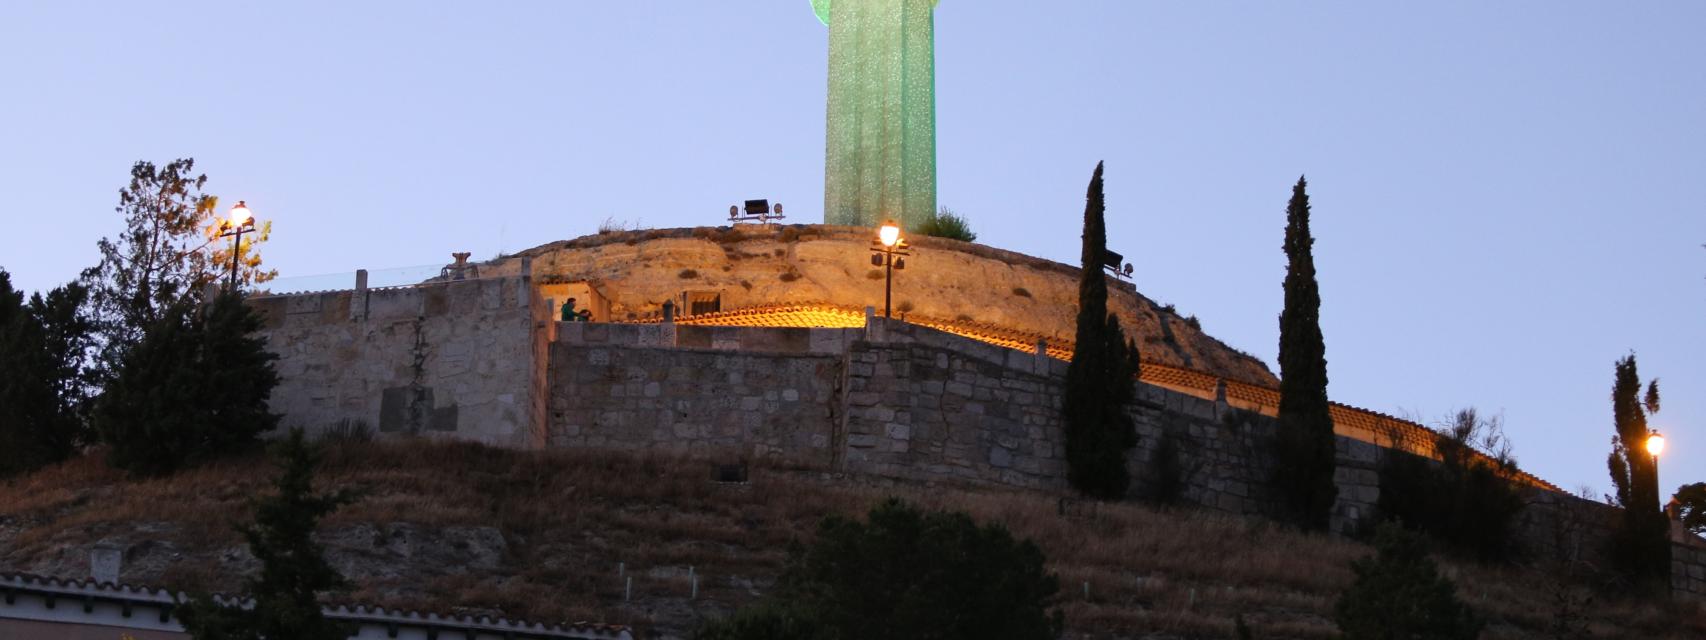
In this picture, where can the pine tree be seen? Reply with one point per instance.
(1304, 470)
(294, 570)
(1642, 542)
(194, 388)
(1399, 595)
(1100, 379)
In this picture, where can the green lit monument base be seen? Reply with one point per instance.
(880, 159)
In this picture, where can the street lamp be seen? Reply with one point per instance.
(241, 221)
(885, 252)
(1655, 446)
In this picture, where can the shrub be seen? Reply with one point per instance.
(687, 274)
(347, 432)
(874, 274)
(1466, 501)
(790, 275)
(1022, 292)
(945, 224)
(1398, 593)
(765, 621)
(193, 389)
(1689, 504)
(907, 574)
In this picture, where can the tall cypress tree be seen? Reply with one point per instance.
(1305, 443)
(1642, 543)
(42, 378)
(1099, 381)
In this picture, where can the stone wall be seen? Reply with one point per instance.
(893, 400)
(462, 360)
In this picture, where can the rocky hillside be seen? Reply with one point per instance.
(542, 535)
(947, 279)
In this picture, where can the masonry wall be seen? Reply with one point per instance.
(895, 400)
(462, 360)
(711, 404)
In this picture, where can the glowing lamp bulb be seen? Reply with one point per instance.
(240, 214)
(1655, 444)
(889, 233)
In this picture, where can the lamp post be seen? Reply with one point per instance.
(234, 227)
(1655, 446)
(888, 251)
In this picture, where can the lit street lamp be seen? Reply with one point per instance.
(884, 253)
(240, 222)
(1655, 446)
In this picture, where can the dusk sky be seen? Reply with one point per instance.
(1507, 196)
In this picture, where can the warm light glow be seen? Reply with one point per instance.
(1655, 444)
(240, 214)
(889, 233)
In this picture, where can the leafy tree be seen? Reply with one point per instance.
(294, 571)
(1641, 543)
(1465, 500)
(906, 574)
(169, 250)
(1305, 444)
(194, 388)
(1099, 380)
(1399, 595)
(946, 224)
(1689, 504)
(43, 381)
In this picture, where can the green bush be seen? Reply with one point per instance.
(1399, 594)
(906, 574)
(945, 224)
(1466, 501)
(195, 388)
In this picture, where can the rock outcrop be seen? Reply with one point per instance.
(636, 271)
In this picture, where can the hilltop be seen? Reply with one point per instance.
(749, 265)
(541, 534)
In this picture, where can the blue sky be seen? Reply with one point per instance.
(1508, 196)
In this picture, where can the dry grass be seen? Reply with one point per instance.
(569, 517)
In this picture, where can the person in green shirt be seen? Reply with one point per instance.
(570, 314)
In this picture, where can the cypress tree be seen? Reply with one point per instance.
(1099, 381)
(1642, 542)
(294, 570)
(1304, 470)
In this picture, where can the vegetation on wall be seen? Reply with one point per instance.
(906, 574)
(1399, 593)
(43, 379)
(194, 388)
(1466, 501)
(294, 570)
(1305, 446)
(1641, 543)
(945, 224)
(1689, 504)
(1099, 380)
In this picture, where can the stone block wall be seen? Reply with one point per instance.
(1688, 568)
(461, 360)
(617, 390)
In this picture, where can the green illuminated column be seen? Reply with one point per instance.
(880, 158)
